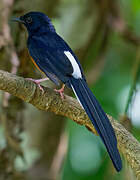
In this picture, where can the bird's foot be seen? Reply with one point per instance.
(38, 81)
(60, 91)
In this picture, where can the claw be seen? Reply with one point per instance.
(37, 82)
(60, 91)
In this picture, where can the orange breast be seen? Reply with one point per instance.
(36, 65)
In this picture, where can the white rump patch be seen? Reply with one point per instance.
(76, 70)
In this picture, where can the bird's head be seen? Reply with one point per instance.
(36, 22)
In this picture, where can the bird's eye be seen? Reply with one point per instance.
(29, 19)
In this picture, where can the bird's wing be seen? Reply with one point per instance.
(51, 60)
(53, 78)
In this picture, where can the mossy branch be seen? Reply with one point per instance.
(69, 107)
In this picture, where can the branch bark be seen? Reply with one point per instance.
(69, 107)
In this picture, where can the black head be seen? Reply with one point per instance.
(36, 22)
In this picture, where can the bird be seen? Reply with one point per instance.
(54, 57)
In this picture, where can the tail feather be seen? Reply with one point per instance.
(98, 118)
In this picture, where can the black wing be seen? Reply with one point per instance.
(50, 57)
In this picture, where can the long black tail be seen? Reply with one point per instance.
(98, 118)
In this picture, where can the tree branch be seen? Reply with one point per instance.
(69, 107)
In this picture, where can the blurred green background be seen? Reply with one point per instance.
(104, 34)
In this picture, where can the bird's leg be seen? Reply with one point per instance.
(60, 91)
(38, 81)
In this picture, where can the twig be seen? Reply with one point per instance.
(134, 82)
(59, 156)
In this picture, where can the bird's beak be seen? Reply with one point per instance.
(17, 20)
